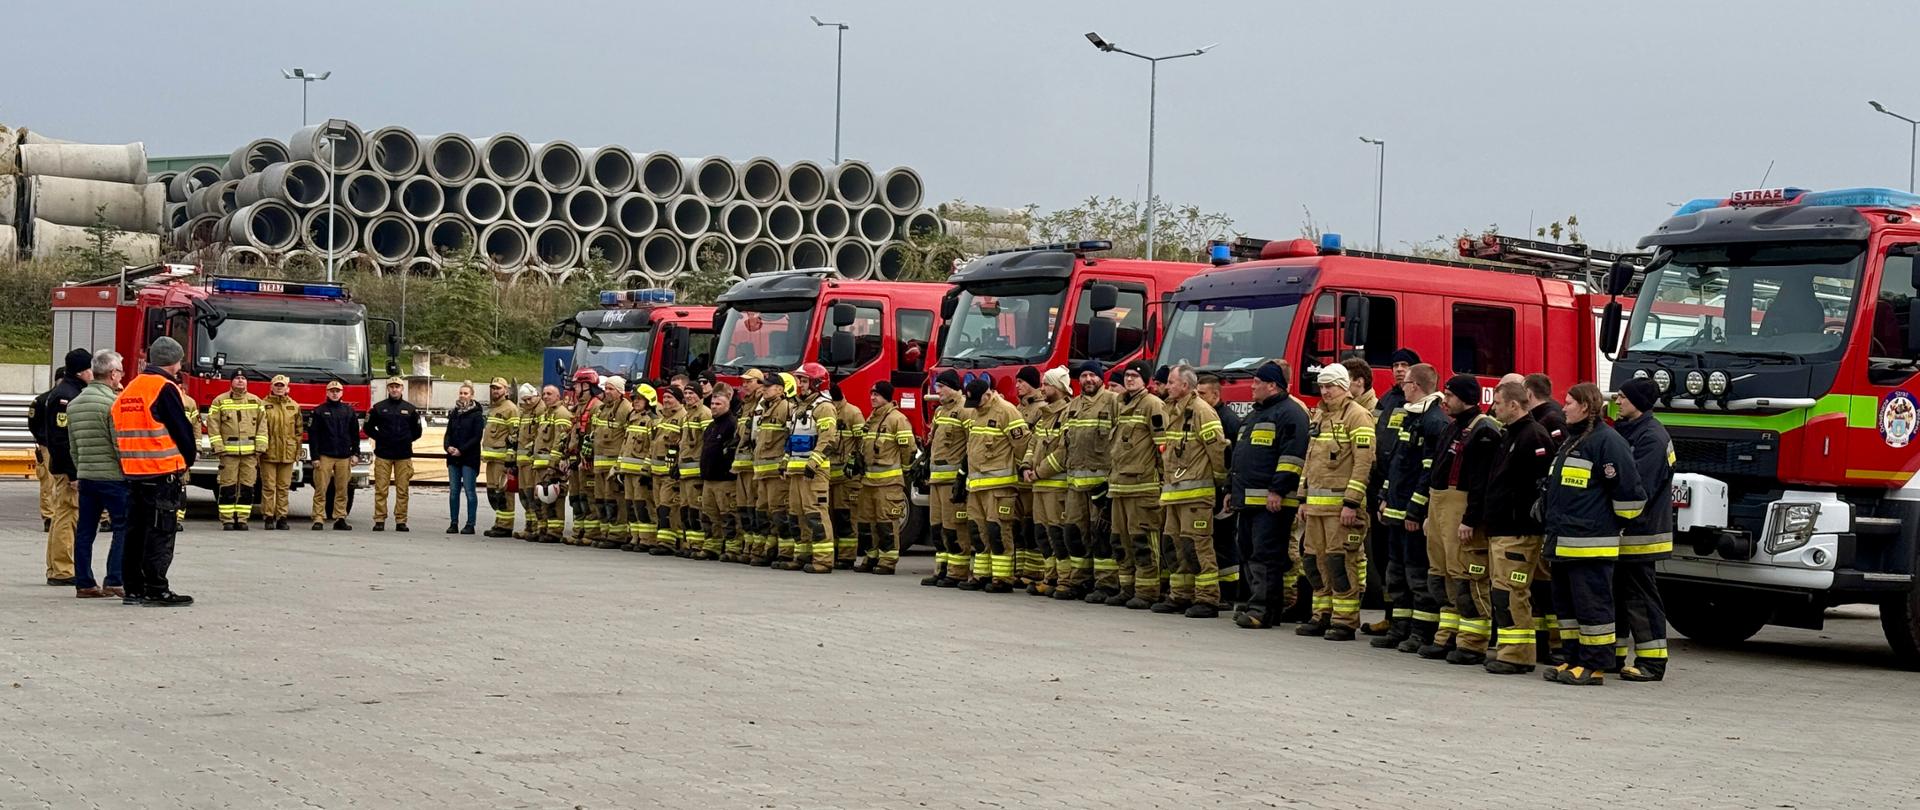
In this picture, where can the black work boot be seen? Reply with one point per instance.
(1645, 670)
(1098, 596)
(1199, 610)
(1466, 657)
(1506, 668)
(1249, 621)
(1120, 599)
(1394, 635)
(1316, 626)
(1434, 652)
(1338, 633)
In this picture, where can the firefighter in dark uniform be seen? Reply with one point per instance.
(1459, 470)
(1266, 461)
(1592, 492)
(1645, 539)
(1522, 597)
(1543, 409)
(1389, 412)
(1404, 507)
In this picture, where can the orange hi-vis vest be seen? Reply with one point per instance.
(145, 447)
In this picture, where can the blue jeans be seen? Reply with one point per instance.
(461, 479)
(96, 497)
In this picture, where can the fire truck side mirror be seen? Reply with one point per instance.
(1354, 311)
(949, 304)
(1102, 297)
(1610, 328)
(719, 318)
(1102, 336)
(843, 315)
(1619, 277)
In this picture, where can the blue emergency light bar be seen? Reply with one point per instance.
(651, 295)
(1329, 243)
(259, 286)
(1849, 197)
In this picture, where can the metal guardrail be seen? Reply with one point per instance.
(13, 422)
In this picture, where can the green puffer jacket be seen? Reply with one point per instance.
(90, 434)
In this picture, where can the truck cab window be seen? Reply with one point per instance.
(1131, 313)
(1483, 340)
(1888, 363)
(912, 337)
(1383, 330)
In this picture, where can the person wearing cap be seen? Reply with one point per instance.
(496, 454)
(279, 453)
(719, 488)
(1267, 460)
(1522, 597)
(813, 439)
(156, 443)
(237, 429)
(946, 484)
(664, 458)
(886, 448)
(526, 434)
(1090, 424)
(1033, 564)
(1193, 461)
(846, 480)
(48, 424)
(1645, 539)
(695, 418)
(1044, 469)
(333, 440)
(550, 462)
(1455, 502)
(633, 470)
(466, 426)
(996, 437)
(1135, 489)
(609, 421)
(777, 531)
(1226, 516)
(744, 545)
(1339, 460)
(394, 425)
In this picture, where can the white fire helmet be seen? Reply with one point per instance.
(547, 493)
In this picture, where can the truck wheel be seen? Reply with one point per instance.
(1900, 620)
(915, 529)
(1715, 617)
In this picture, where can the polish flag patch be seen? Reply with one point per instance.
(1539, 451)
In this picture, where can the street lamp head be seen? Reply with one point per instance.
(322, 75)
(1876, 106)
(1204, 48)
(294, 73)
(1099, 43)
(1374, 141)
(818, 22)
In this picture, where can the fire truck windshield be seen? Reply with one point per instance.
(769, 341)
(1229, 336)
(305, 351)
(993, 330)
(1782, 301)
(613, 351)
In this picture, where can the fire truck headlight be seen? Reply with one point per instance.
(1790, 525)
(1664, 379)
(1696, 382)
(1717, 383)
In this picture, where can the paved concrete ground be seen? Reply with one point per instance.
(412, 671)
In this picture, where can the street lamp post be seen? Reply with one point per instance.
(1153, 90)
(1379, 187)
(331, 134)
(839, 51)
(306, 79)
(1913, 136)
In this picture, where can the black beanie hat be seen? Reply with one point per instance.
(1029, 375)
(1091, 367)
(884, 389)
(948, 378)
(1140, 367)
(1272, 373)
(1466, 387)
(1641, 392)
(1404, 355)
(79, 360)
(1160, 374)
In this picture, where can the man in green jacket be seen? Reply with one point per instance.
(96, 461)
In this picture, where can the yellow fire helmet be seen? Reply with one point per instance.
(787, 385)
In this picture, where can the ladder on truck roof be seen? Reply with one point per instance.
(133, 278)
(1570, 262)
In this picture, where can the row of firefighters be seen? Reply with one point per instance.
(1509, 537)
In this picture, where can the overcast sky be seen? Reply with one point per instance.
(1493, 112)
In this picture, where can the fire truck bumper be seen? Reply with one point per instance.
(1799, 541)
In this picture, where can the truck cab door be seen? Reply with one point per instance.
(1891, 323)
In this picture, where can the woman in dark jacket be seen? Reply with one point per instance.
(465, 423)
(1592, 491)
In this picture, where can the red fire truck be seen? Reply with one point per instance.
(862, 331)
(1314, 303)
(637, 334)
(1780, 327)
(1004, 310)
(312, 333)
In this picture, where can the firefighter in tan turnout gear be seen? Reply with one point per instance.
(769, 478)
(549, 462)
(745, 545)
(635, 470)
(526, 434)
(609, 437)
(497, 454)
(845, 485)
(813, 437)
(1194, 464)
(886, 447)
(1045, 468)
(695, 416)
(1093, 568)
(1135, 490)
(279, 453)
(237, 428)
(946, 495)
(1339, 459)
(995, 437)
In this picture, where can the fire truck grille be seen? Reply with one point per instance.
(1757, 455)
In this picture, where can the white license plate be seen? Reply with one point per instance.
(1682, 494)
